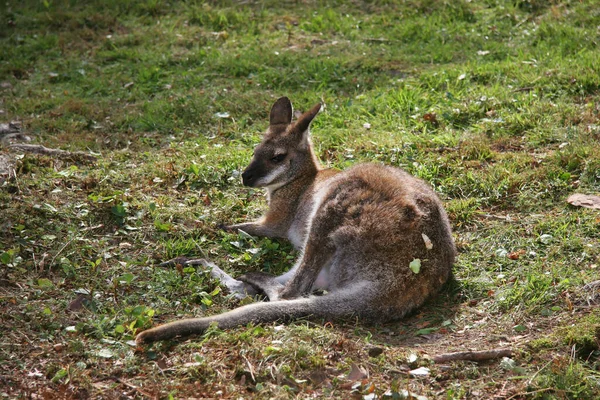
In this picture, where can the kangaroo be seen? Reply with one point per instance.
(357, 231)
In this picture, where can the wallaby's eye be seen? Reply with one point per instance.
(278, 158)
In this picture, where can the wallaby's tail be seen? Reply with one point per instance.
(345, 302)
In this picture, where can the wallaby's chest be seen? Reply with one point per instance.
(298, 230)
(309, 203)
(296, 235)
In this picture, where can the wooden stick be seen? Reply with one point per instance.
(136, 388)
(592, 285)
(473, 355)
(39, 149)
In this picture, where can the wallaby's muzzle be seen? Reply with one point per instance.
(249, 176)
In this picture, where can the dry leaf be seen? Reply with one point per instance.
(357, 373)
(515, 255)
(584, 200)
(428, 242)
(78, 303)
(431, 118)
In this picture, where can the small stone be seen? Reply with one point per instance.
(422, 371)
(545, 238)
(375, 351)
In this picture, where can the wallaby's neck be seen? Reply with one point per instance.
(297, 186)
(284, 201)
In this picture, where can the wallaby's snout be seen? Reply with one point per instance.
(249, 176)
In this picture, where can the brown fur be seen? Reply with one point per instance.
(358, 231)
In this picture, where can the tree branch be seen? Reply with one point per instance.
(473, 355)
(39, 149)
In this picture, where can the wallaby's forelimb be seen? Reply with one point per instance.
(254, 229)
(305, 275)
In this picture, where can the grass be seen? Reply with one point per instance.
(495, 103)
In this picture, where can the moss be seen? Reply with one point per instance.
(584, 335)
(543, 343)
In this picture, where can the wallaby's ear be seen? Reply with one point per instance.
(304, 121)
(281, 112)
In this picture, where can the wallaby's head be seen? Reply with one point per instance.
(285, 151)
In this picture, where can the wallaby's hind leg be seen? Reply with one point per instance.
(357, 299)
(312, 269)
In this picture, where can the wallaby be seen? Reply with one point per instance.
(357, 231)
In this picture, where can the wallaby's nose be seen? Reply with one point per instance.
(247, 178)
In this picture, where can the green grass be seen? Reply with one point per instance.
(495, 103)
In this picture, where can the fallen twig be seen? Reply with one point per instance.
(250, 368)
(380, 40)
(523, 89)
(530, 380)
(524, 394)
(483, 355)
(39, 149)
(136, 388)
(60, 251)
(594, 285)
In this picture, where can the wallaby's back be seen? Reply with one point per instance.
(379, 220)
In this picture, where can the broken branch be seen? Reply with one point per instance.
(39, 149)
(473, 355)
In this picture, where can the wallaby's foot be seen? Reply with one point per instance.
(263, 282)
(288, 293)
(236, 287)
(225, 228)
